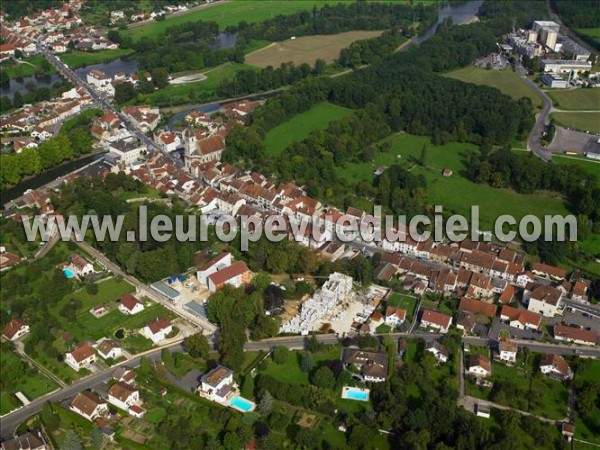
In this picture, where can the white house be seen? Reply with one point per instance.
(555, 366)
(81, 357)
(169, 141)
(130, 305)
(15, 329)
(109, 349)
(521, 318)
(394, 317)
(217, 384)
(123, 395)
(89, 405)
(129, 150)
(80, 266)
(220, 262)
(101, 82)
(373, 366)
(439, 351)
(436, 320)
(479, 366)
(543, 300)
(158, 330)
(508, 351)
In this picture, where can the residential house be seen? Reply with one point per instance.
(520, 318)
(508, 351)
(89, 405)
(30, 440)
(101, 82)
(507, 295)
(436, 320)
(547, 271)
(479, 366)
(169, 141)
(235, 275)
(394, 317)
(555, 366)
(373, 366)
(543, 300)
(123, 395)
(438, 350)
(221, 261)
(158, 329)
(124, 374)
(80, 266)
(109, 349)
(575, 335)
(579, 291)
(477, 307)
(128, 150)
(217, 384)
(466, 322)
(81, 357)
(15, 329)
(130, 305)
(145, 117)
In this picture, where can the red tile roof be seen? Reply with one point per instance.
(436, 317)
(13, 327)
(159, 325)
(223, 275)
(565, 332)
(477, 307)
(129, 301)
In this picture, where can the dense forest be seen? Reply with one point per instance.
(20, 8)
(580, 14)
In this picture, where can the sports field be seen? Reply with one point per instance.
(455, 193)
(584, 121)
(507, 81)
(298, 128)
(227, 14)
(576, 99)
(306, 49)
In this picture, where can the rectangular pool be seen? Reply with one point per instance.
(242, 404)
(352, 393)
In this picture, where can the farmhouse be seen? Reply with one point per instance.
(217, 384)
(158, 330)
(520, 318)
(373, 366)
(479, 366)
(575, 335)
(555, 366)
(89, 405)
(15, 329)
(235, 275)
(130, 305)
(81, 357)
(123, 395)
(435, 319)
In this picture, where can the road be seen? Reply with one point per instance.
(534, 140)
(205, 326)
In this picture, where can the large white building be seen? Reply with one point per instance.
(128, 150)
(217, 384)
(544, 300)
(565, 66)
(223, 260)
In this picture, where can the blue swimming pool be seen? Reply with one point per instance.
(351, 393)
(68, 273)
(242, 404)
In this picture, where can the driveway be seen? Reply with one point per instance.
(515, 333)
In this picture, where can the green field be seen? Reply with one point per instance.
(576, 99)
(592, 34)
(455, 193)
(299, 127)
(506, 81)
(80, 59)
(197, 91)
(584, 121)
(589, 165)
(26, 69)
(227, 14)
(289, 372)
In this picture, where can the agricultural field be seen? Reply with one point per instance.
(300, 126)
(228, 14)
(507, 81)
(204, 90)
(306, 49)
(78, 59)
(455, 193)
(584, 121)
(576, 99)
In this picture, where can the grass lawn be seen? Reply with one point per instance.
(406, 302)
(584, 121)
(78, 59)
(128, 195)
(300, 126)
(576, 99)
(200, 90)
(289, 372)
(455, 193)
(593, 34)
(506, 81)
(227, 14)
(588, 165)
(25, 69)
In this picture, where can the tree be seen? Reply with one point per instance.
(97, 438)
(197, 346)
(49, 417)
(91, 288)
(72, 441)
(160, 77)
(123, 92)
(265, 327)
(17, 100)
(423, 160)
(306, 362)
(323, 378)
(5, 103)
(273, 297)
(313, 344)
(320, 66)
(280, 354)
(266, 404)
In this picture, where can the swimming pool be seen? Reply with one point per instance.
(352, 393)
(242, 404)
(68, 273)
